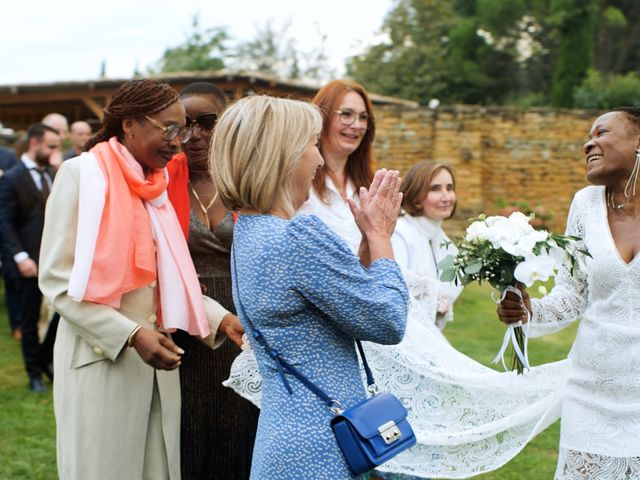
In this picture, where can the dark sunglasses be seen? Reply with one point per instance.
(205, 122)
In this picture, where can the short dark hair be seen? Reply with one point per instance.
(415, 185)
(204, 88)
(632, 114)
(37, 131)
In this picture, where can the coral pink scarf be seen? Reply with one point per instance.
(128, 234)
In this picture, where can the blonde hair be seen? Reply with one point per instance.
(256, 145)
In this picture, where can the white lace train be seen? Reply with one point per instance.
(468, 419)
(575, 465)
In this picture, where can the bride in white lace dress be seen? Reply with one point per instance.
(600, 426)
(468, 419)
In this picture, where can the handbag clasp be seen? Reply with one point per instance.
(336, 407)
(389, 432)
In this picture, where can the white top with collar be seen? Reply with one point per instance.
(418, 248)
(336, 214)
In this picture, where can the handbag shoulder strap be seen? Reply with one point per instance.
(282, 364)
(371, 384)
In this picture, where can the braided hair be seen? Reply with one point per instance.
(135, 98)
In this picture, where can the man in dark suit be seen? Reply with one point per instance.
(24, 189)
(8, 159)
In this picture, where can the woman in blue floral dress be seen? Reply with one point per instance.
(299, 283)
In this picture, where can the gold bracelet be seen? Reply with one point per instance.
(132, 336)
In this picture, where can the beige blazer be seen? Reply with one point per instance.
(102, 389)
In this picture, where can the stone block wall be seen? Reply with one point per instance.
(498, 153)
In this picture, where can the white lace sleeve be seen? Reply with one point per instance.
(468, 419)
(568, 299)
(244, 377)
(423, 291)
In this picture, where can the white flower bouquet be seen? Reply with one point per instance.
(505, 251)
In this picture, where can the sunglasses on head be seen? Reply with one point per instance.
(205, 121)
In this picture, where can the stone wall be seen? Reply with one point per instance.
(497, 153)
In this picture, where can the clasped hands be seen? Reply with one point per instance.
(376, 218)
(377, 214)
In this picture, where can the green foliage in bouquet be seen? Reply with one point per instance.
(507, 251)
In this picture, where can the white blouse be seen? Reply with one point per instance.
(336, 214)
(418, 246)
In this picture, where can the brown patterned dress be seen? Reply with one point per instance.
(218, 426)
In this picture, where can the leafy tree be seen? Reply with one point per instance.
(275, 51)
(272, 50)
(530, 52)
(204, 49)
(411, 61)
(574, 22)
(617, 47)
(606, 91)
(472, 51)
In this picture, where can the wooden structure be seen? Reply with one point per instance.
(22, 105)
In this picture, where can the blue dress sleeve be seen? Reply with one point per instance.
(366, 303)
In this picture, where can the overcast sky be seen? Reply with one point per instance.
(45, 41)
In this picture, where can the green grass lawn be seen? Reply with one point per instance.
(27, 428)
(477, 332)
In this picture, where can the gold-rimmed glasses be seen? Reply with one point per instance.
(172, 131)
(348, 116)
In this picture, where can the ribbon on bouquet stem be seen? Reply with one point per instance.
(510, 335)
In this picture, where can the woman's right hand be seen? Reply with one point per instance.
(514, 309)
(157, 350)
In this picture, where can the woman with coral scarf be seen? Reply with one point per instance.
(115, 264)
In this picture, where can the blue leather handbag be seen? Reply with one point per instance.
(374, 430)
(368, 433)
